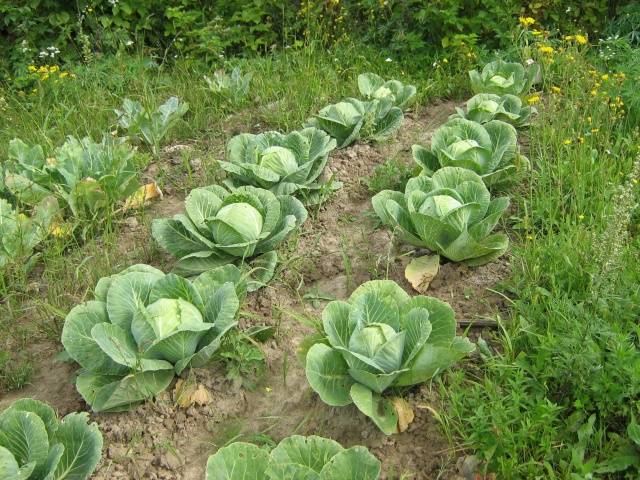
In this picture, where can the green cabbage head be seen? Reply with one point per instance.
(381, 338)
(222, 227)
(295, 457)
(502, 77)
(373, 86)
(351, 120)
(490, 150)
(450, 213)
(36, 445)
(284, 164)
(144, 327)
(484, 107)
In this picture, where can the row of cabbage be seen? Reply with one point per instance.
(144, 326)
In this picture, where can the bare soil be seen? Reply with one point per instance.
(339, 248)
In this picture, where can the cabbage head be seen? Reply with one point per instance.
(502, 77)
(222, 227)
(490, 150)
(451, 213)
(36, 445)
(144, 327)
(295, 457)
(284, 164)
(373, 86)
(382, 338)
(352, 119)
(484, 107)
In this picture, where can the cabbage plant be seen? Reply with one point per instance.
(354, 119)
(151, 126)
(284, 164)
(484, 107)
(502, 77)
(88, 178)
(295, 457)
(234, 83)
(373, 86)
(144, 327)
(222, 227)
(20, 234)
(490, 150)
(36, 445)
(451, 213)
(379, 339)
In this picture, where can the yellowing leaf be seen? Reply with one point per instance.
(142, 196)
(404, 412)
(187, 393)
(421, 271)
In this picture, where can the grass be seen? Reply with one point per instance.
(561, 385)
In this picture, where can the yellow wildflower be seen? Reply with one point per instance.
(605, 77)
(529, 237)
(568, 38)
(54, 69)
(526, 21)
(546, 49)
(580, 217)
(533, 99)
(536, 33)
(595, 130)
(64, 74)
(32, 69)
(43, 69)
(567, 141)
(589, 119)
(555, 89)
(581, 39)
(593, 72)
(444, 60)
(594, 93)
(60, 231)
(580, 139)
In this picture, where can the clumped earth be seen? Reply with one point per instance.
(342, 248)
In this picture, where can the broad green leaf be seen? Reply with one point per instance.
(82, 447)
(313, 452)
(355, 463)
(81, 345)
(238, 461)
(377, 408)
(327, 374)
(125, 292)
(24, 434)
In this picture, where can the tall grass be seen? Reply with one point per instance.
(555, 397)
